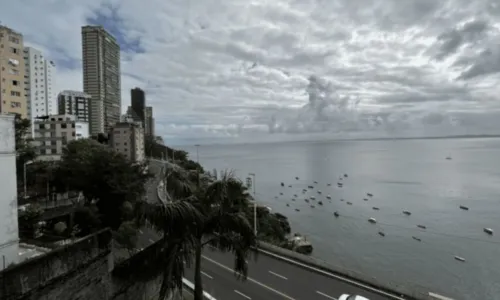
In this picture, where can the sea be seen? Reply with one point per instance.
(431, 178)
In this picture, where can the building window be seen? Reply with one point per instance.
(15, 72)
(13, 39)
(14, 93)
(41, 126)
(14, 50)
(64, 125)
(15, 82)
(15, 104)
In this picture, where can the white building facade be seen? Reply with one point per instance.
(9, 230)
(39, 84)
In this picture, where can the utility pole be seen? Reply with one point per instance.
(254, 204)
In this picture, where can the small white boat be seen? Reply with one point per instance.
(459, 258)
(406, 212)
(319, 192)
(488, 231)
(365, 199)
(369, 194)
(313, 198)
(329, 197)
(297, 209)
(320, 203)
(372, 220)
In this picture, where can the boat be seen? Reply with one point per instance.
(310, 186)
(287, 204)
(488, 231)
(336, 214)
(422, 226)
(329, 184)
(319, 192)
(345, 175)
(312, 198)
(349, 203)
(297, 209)
(316, 182)
(282, 184)
(464, 207)
(290, 185)
(459, 258)
(320, 203)
(307, 200)
(406, 212)
(448, 157)
(299, 244)
(369, 194)
(295, 195)
(381, 233)
(328, 197)
(372, 220)
(366, 199)
(342, 199)
(293, 199)
(312, 206)
(376, 208)
(275, 197)
(416, 238)
(296, 178)
(281, 194)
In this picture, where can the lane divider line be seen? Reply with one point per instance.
(440, 297)
(190, 285)
(203, 273)
(278, 275)
(325, 295)
(249, 279)
(242, 295)
(328, 274)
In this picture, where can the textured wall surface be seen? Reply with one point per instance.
(9, 236)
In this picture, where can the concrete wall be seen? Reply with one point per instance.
(410, 291)
(9, 236)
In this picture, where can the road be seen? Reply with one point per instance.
(269, 278)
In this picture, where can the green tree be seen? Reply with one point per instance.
(104, 177)
(222, 224)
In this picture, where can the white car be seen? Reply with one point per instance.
(352, 297)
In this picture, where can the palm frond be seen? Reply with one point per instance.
(178, 182)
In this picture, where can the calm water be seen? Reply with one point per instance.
(403, 175)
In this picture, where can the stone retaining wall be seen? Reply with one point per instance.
(403, 291)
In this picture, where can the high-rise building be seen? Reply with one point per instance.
(140, 112)
(54, 132)
(39, 84)
(74, 103)
(127, 138)
(101, 77)
(12, 93)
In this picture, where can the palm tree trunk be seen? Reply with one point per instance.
(198, 286)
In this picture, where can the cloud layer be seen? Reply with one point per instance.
(251, 69)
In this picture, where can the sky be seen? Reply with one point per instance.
(259, 70)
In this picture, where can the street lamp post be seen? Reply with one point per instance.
(254, 204)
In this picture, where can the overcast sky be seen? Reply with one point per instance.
(288, 69)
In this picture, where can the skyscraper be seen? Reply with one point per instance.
(39, 84)
(101, 77)
(12, 94)
(140, 112)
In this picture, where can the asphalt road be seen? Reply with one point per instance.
(269, 278)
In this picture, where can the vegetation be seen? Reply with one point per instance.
(216, 214)
(104, 177)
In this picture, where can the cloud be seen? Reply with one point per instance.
(280, 69)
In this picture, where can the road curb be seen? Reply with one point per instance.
(190, 286)
(350, 277)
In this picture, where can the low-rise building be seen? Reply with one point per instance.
(9, 232)
(127, 138)
(53, 133)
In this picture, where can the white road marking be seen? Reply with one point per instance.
(151, 240)
(242, 295)
(440, 297)
(206, 275)
(250, 279)
(328, 274)
(278, 275)
(140, 231)
(325, 295)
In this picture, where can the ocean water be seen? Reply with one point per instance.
(411, 175)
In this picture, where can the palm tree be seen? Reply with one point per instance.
(221, 221)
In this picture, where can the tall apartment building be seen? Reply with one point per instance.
(53, 133)
(101, 77)
(39, 83)
(12, 93)
(74, 103)
(127, 138)
(140, 112)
